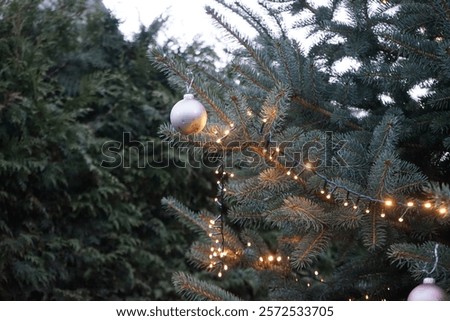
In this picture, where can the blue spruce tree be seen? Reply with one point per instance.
(332, 182)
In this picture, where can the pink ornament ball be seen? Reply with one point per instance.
(427, 291)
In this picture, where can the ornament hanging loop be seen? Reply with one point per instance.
(189, 82)
(436, 259)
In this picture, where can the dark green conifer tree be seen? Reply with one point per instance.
(73, 223)
(333, 182)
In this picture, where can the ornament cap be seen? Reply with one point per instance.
(429, 281)
(188, 96)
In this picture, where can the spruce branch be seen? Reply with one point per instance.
(191, 288)
(309, 248)
(169, 66)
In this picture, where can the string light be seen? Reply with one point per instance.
(410, 204)
(270, 258)
(442, 210)
(226, 132)
(427, 205)
(261, 259)
(219, 274)
(279, 259)
(316, 273)
(367, 211)
(383, 215)
(400, 219)
(388, 202)
(249, 244)
(345, 203)
(288, 173)
(231, 175)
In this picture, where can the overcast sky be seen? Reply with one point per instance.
(187, 17)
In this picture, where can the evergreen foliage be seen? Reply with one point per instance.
(317, 153)
(75, 225)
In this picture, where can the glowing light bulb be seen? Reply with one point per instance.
(400, 219)
(322, 191)
(219, 274)
(270, 258)
(277, 149)
(383, 215)
(328, 196)
(231, 125)
(217, 172)
(264, 120)
(442, 211)
(218, 182)
(367, 297)
(226, 132)
(219, 249)
(295, 177)
(410, 204)
(308, 166)
(388, 202)
(212, 249)
(261, 259)
(210, 234)
(355, 207)
(346, 203)
(288, 173)
(225, 267)
(211, 266)
(308, 285)
(218, 141)
(427, 205)
(316, 272)
(212, 221)
(279, 258)
(210, 256)
(249, 244)
(215, 254)
(232, 175)
(367, 211)
(217, 241)
(249, 113)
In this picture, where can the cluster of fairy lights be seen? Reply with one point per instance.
(354, 200)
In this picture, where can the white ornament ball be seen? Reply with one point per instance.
(427, 291)
(188, 116)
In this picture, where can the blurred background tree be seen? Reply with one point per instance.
(70, 228)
